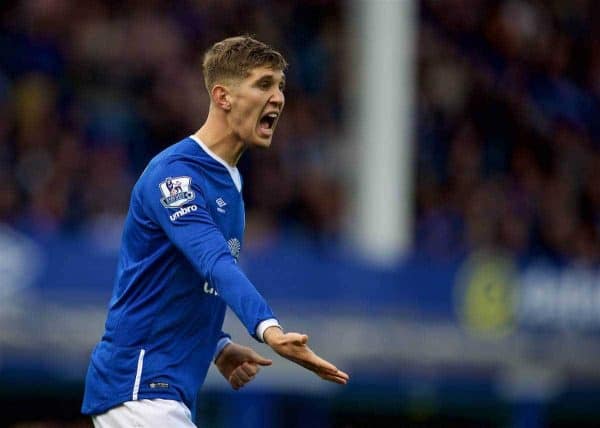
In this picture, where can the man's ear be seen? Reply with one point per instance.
(221, 97)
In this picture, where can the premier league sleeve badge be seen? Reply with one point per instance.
(176, 191)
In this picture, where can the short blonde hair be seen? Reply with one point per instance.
(233, 59)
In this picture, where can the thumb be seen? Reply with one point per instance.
(297, 338)
(258, 359)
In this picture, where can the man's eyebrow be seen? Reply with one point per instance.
(270, 77)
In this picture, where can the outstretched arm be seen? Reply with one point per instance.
(293, 346)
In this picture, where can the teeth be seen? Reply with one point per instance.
(273, 115)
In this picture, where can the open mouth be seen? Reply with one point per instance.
(267, 122)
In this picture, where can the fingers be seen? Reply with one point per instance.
(243, 374)
(330, 372)
(321, 367)
(249, 369)
(316, 363)
(343, 375)
(238, 379)
(235, 382)
(340, 379)
(293, 346)
(326, 366)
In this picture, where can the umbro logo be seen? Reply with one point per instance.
(220, 205)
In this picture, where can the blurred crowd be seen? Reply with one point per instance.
(509, 129)
(507, 132)
(90, 90)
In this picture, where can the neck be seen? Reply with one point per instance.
(220, 138)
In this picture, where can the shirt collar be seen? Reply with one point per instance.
(233, 171)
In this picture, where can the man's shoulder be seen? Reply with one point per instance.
(181, 156)
(174, 169)
(180, 151)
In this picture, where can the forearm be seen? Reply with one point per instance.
(242, 297)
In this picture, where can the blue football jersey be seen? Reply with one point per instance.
(176, 273)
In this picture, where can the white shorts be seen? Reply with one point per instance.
(155, 413)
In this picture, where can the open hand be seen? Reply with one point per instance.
(293, 346)
(240, 364)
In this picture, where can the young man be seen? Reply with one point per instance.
(178, 267)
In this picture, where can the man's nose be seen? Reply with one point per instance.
(277, 98)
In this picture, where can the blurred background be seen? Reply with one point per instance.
(429, 211)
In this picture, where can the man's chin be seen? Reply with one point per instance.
(261, 142)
